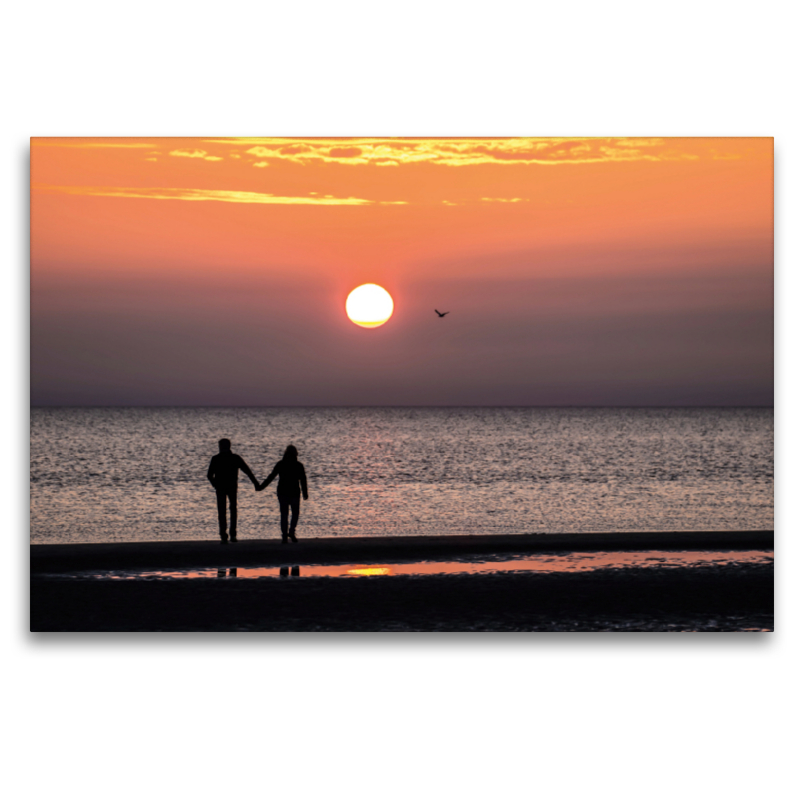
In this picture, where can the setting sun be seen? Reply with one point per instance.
(369, 305)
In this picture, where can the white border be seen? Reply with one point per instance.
(595, 714)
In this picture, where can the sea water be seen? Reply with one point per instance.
(139, 474)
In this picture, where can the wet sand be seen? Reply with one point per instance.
(163, 555)
(711, 597)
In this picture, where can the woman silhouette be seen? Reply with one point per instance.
(291, 479)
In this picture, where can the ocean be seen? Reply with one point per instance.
(139, 474)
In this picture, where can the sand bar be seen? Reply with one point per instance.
(59, 558)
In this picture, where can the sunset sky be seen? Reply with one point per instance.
(576, 271)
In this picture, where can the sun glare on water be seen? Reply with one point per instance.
(369, 305)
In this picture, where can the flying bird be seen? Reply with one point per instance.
(441, 313)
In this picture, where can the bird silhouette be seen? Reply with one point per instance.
(441, 313)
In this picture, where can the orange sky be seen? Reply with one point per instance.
(577, 271)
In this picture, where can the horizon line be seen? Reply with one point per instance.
(388, 405)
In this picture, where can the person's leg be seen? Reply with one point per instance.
(221, 515)
(284, 504)
(232, 496)
(295, 505)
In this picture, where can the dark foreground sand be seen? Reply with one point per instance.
(732, 597)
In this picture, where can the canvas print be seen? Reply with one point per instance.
(401, 384)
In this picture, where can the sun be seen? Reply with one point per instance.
(369, 305)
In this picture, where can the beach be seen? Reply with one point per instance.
(82, 587)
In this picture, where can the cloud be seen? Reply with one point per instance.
(195, 154)
(463, 152)
(370, 151)
(344, 152)
(46, 142)
(626, 154)
(218, 195)
(640, 142)
(261, 164)
(189, 153)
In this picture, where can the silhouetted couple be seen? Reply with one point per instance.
(223, 472)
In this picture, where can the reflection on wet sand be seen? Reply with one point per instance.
(542, 563)
(233, 572)
(367, 571)
(284, 573)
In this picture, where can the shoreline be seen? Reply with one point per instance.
(733, 597)
(726, 597)
(52, 558)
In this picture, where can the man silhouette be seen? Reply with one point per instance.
(223, 472)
